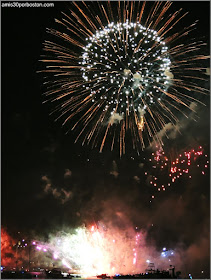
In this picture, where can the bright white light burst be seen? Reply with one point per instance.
(128, 72)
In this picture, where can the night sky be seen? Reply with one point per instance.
(89, 186)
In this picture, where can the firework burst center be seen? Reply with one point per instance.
(126, 67)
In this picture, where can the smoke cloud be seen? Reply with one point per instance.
(62, 195)
(115, 118)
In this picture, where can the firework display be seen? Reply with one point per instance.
(109, 75)
(121, 190)
(98, 249)
(91, 251)
(166, 172)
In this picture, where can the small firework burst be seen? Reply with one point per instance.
(165, 172)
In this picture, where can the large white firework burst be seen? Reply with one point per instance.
(114, 75)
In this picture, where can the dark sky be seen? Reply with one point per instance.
(36, 151)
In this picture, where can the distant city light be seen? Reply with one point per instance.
(163, 254)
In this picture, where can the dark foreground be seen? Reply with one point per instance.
(58, 275)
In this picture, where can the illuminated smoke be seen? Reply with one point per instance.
(62, 195)
(7, 251)
(114, 170)
(67, 173)
(115, 118)
(101, 249)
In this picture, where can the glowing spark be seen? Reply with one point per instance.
(141, 124)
